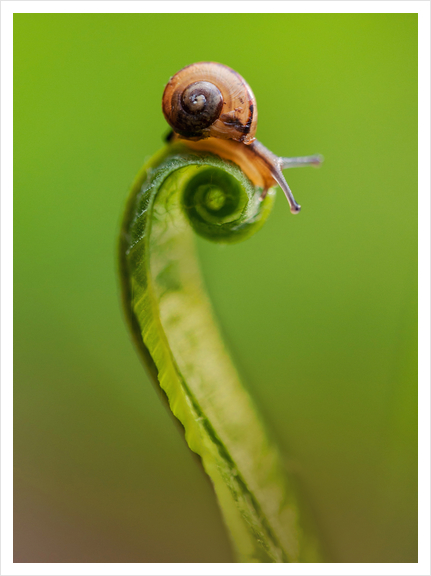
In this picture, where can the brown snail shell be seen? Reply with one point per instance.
(208, 99)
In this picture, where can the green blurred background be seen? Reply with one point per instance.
(319, 309)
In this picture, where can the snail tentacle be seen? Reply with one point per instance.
(298, 161)
(295, 208)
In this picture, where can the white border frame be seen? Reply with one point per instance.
(115, 6)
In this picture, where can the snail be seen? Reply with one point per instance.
(214, 109)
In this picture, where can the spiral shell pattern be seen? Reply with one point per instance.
(208, 99)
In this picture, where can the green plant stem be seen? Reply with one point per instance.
(176, 333)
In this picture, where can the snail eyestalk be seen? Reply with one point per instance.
(298, 161)
(295, 208)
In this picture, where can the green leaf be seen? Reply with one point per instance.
(174, 328)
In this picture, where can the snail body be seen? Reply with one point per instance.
(252, 158)
(212, 107)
